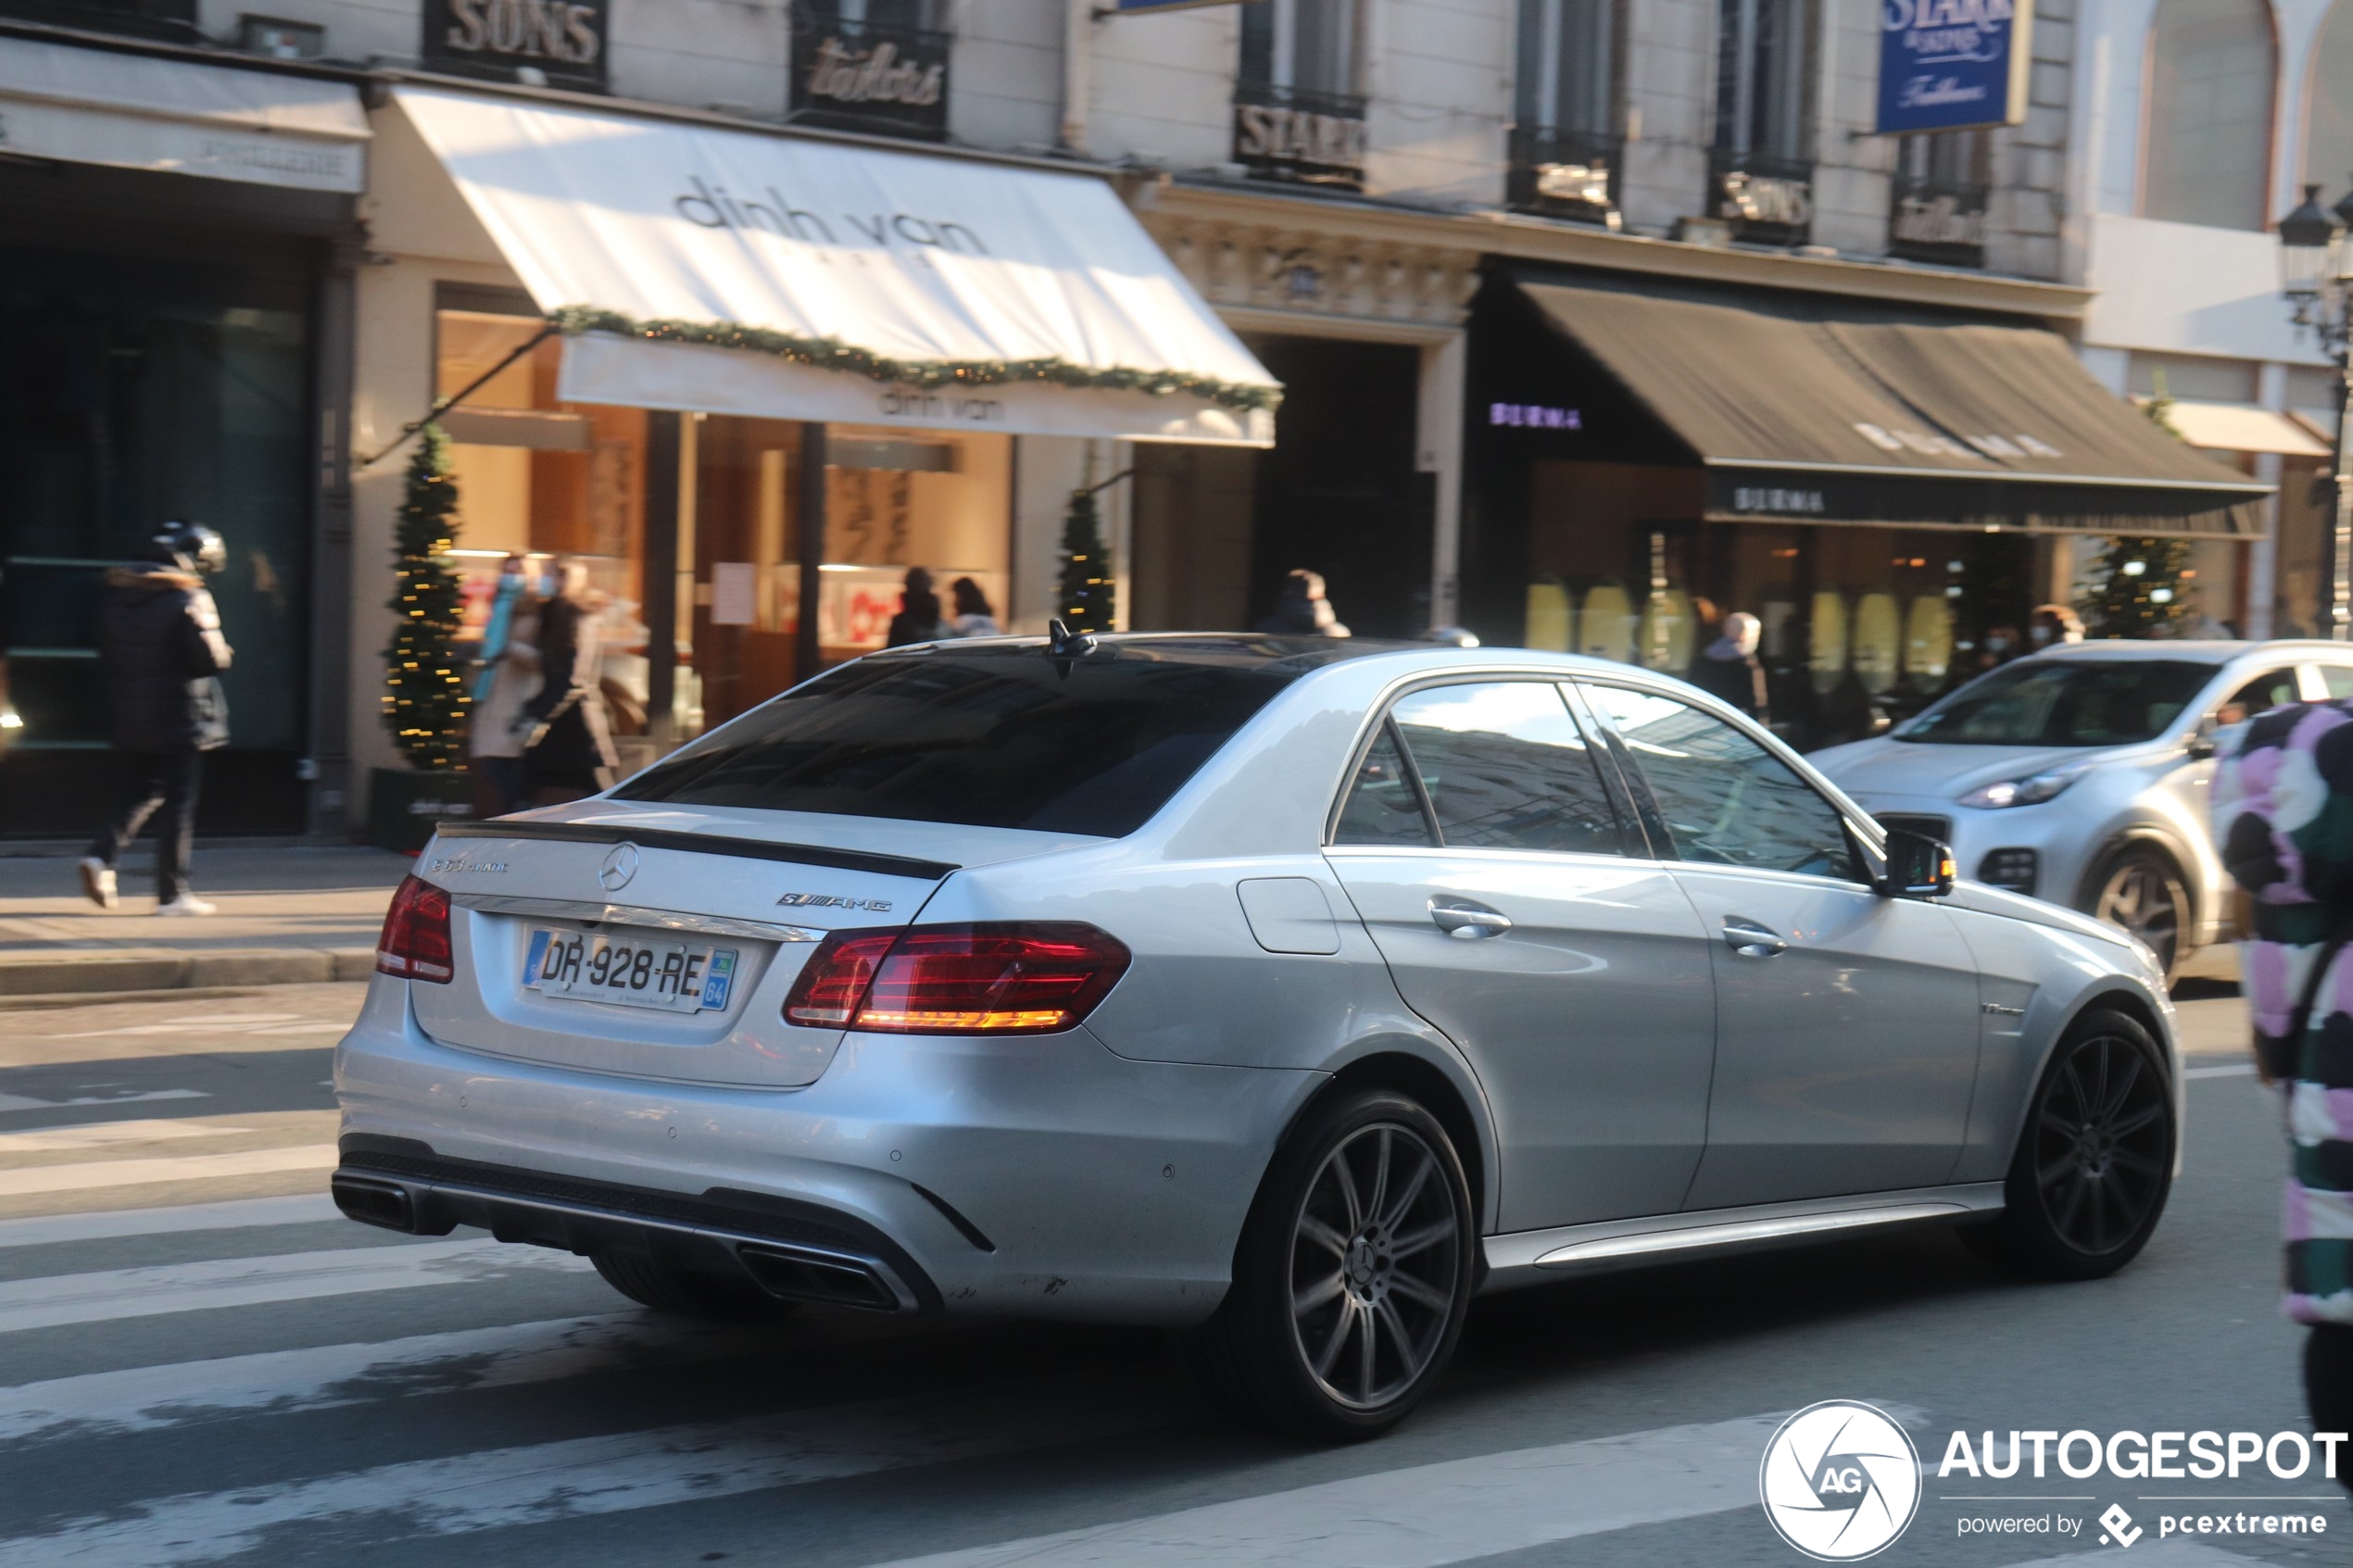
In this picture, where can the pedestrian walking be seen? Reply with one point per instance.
(506, 682)
(1730, 669)
(975, 617)
(569, 754)
(918, 617)
(2053, 625)
(161, 652)
(2280, 797)
(1303, 610)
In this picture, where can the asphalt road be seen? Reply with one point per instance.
(199, 1364)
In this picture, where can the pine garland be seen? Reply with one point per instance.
(426, 701)
(1088, 600)
(832, 354)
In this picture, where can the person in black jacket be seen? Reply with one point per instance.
(1729, 667)
(571, 755)
(162, 651)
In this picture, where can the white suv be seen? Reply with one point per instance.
(2080, 776)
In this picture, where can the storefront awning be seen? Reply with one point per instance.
(179, 116)
(2241, 427)
(730, 271)
(1805, 407)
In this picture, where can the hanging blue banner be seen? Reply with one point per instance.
(1950, 65)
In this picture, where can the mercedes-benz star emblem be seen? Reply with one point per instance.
(621, 864)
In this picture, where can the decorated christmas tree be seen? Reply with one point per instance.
(425, 698)
(1088, 599)
(2138, 590)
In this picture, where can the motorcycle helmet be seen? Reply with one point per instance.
(192, 547)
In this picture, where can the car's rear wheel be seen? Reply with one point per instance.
(1353, 1275)
(2141, 892)
(687, 1292)
(2095, 1162)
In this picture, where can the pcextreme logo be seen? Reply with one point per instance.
(1839, 1480)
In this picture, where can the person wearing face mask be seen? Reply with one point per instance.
(2052, 625)
(1998, 647)
(508, 679)
(569, 755)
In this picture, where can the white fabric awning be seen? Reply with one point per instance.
(731, 271)
(2241, 427)
(140, 111)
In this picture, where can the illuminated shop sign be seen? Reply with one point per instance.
(1535, 416)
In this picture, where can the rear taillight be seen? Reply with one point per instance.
(1014, 978)
(415, 944)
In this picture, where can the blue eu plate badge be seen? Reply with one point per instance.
(718, 978)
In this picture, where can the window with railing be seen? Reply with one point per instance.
(174, 19)
(871, 65)
(1564, 140)
(1298, 115)
(1936, 212)
(1762, 166)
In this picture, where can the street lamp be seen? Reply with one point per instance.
(2316, 274)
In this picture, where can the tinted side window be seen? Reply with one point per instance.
(2338, 678)
(1727, 801)
(2272, 689)
(1506, 767)
(1383, 807)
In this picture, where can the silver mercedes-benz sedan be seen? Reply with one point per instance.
(1287, 991)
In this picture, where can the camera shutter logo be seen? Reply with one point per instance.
(1841, 1481)
(621, 864)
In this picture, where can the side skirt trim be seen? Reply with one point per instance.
(1531, 1257)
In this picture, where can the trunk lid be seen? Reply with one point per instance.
(766, 886)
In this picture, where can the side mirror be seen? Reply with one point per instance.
(1918, 866)
(2203, 743)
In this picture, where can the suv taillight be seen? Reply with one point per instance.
(415, 944)
(1008, 978)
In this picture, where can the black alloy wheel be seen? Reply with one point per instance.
(2141, 893)
(2095, 1161)
(1352, 1276)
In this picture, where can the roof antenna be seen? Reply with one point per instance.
(1064, 643)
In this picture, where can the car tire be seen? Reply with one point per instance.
(2094, 1160)
(1332, 1329)
(687, 1293)
(2139, 889)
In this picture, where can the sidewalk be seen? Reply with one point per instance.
(287, 915)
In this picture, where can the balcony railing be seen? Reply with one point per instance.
(1292, 134)
(1937, 220)
(1565, 174)
(853, 75)
(147, 19)
(1767, 198)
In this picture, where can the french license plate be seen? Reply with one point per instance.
(635, 970)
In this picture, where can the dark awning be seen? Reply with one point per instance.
(1831, 409)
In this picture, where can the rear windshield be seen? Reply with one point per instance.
(1005, 737)
(2051, 702)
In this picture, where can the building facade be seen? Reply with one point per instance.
(1402, 210)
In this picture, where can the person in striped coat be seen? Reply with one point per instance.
(2283, 805)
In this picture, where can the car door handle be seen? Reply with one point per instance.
(1751, 940)
(1467, 922)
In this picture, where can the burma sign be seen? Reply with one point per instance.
(1948, 65)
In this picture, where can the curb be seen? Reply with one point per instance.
(169, 969)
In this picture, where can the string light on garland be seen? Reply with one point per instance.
(425, 699)
(1088, 597)
(831, 354)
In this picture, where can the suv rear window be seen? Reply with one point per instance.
(1004, 737)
